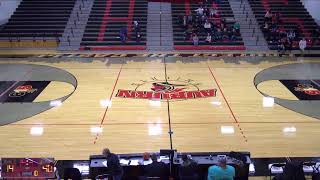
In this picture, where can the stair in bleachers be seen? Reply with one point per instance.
(76, 25)
(36, 20)
(159, 27)
(252, 36)
(108, 17)
(185, 8)
(292, 14)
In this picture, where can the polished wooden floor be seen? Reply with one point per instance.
(137, 125)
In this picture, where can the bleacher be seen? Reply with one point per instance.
(185, 8)
(108, 17)
(36, 23)
(292, 15)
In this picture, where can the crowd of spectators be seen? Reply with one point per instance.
(286, 40)
(206, 25)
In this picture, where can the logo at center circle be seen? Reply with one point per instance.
(169, 89)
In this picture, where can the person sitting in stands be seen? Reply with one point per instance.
(123, 34)
(277, 18)
(137, 30)
(136, 26)
(113, 164)
(208, 38)
(232, 35)
(195, 39)
(199, 11)
(268, 16)
(213, 11)
(302, 45)
(156, 169)
(218, 34)
(281, 47)
(291, 35)
(236, 26)
(188, 170)
(207, 26)
(222, 171)
(184, 21)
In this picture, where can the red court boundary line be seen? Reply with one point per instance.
(209, 47)
(130, 17)
(115, 47)
(104, 20)
(110, 98)
(225, 99)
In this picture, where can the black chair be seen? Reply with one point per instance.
(72, 173)
(278, 165)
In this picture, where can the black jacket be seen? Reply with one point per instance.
(156, 169)
(114, 166)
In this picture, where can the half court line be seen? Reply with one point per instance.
(110, 98)
(168, 105)
(229, 107)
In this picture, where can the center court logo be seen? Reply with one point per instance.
(22, 91)
(170, 89)
(307, 89)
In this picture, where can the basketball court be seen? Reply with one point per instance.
(71, 109)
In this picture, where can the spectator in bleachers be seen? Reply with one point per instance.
(123, 34)
(199, 11)
(208, 38)
(214, 13)
(277, 18)
(302, 45)
(236, 26)
(195, 39)
(137, 30)
(207, 26)
(222, 171)
(268, 16)
(136, 26)
(291, 35)
(188, 170)
(281, 47)
(218, 35)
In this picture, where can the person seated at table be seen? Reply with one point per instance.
(222, 171)
(188, 170)
(155, 169)
(113, 163)
(146, 159)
